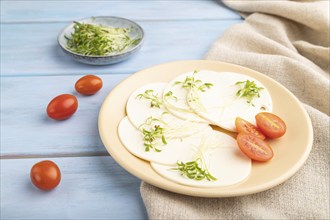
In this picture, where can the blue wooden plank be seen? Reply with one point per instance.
(91, 188)
(26, 129)
(50, 11)
(31, 49)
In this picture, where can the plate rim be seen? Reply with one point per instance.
(239, 192)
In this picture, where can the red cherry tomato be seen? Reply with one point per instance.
(243, 126)
(45, 175)
(254, 148)
(62, 107)
(88, 85)
(271, 125)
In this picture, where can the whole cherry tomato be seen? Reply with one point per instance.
(254, 148)
(45, 175)
(88, 85)
(243, 126)
(271, 125)
(62, 107)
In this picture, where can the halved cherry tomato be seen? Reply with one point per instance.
(62, 107)
(254, 148)
(45, 175)
(88, 85)
(243, 126)
(271, 125)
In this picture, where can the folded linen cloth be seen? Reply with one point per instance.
(288, 41)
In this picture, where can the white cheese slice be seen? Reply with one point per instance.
(139, 109)
(133, 141)
(220, 105)
(179, 107)
(224, 161)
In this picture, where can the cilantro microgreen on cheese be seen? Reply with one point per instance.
(195, 170)
(153, 133)
(154, 99)
(249, 90)
(194, 84)
(169, 95)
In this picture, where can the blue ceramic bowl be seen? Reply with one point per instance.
(136, 32)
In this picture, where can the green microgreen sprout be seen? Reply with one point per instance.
(97, 40)
(192, 84)
(154, 99)
(153, 133)
(196, 170)
(249, 90)
(169, 95)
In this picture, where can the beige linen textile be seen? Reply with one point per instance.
(288, 41)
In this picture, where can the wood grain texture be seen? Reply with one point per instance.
(34, 70)
(91, 188)
(27, 130)
(32, 49)
(48, 11)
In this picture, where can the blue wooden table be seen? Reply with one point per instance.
(34, 70)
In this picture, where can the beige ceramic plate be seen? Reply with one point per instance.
(291, 150)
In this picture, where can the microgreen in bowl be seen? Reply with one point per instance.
(101, 40)
(98, 40)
